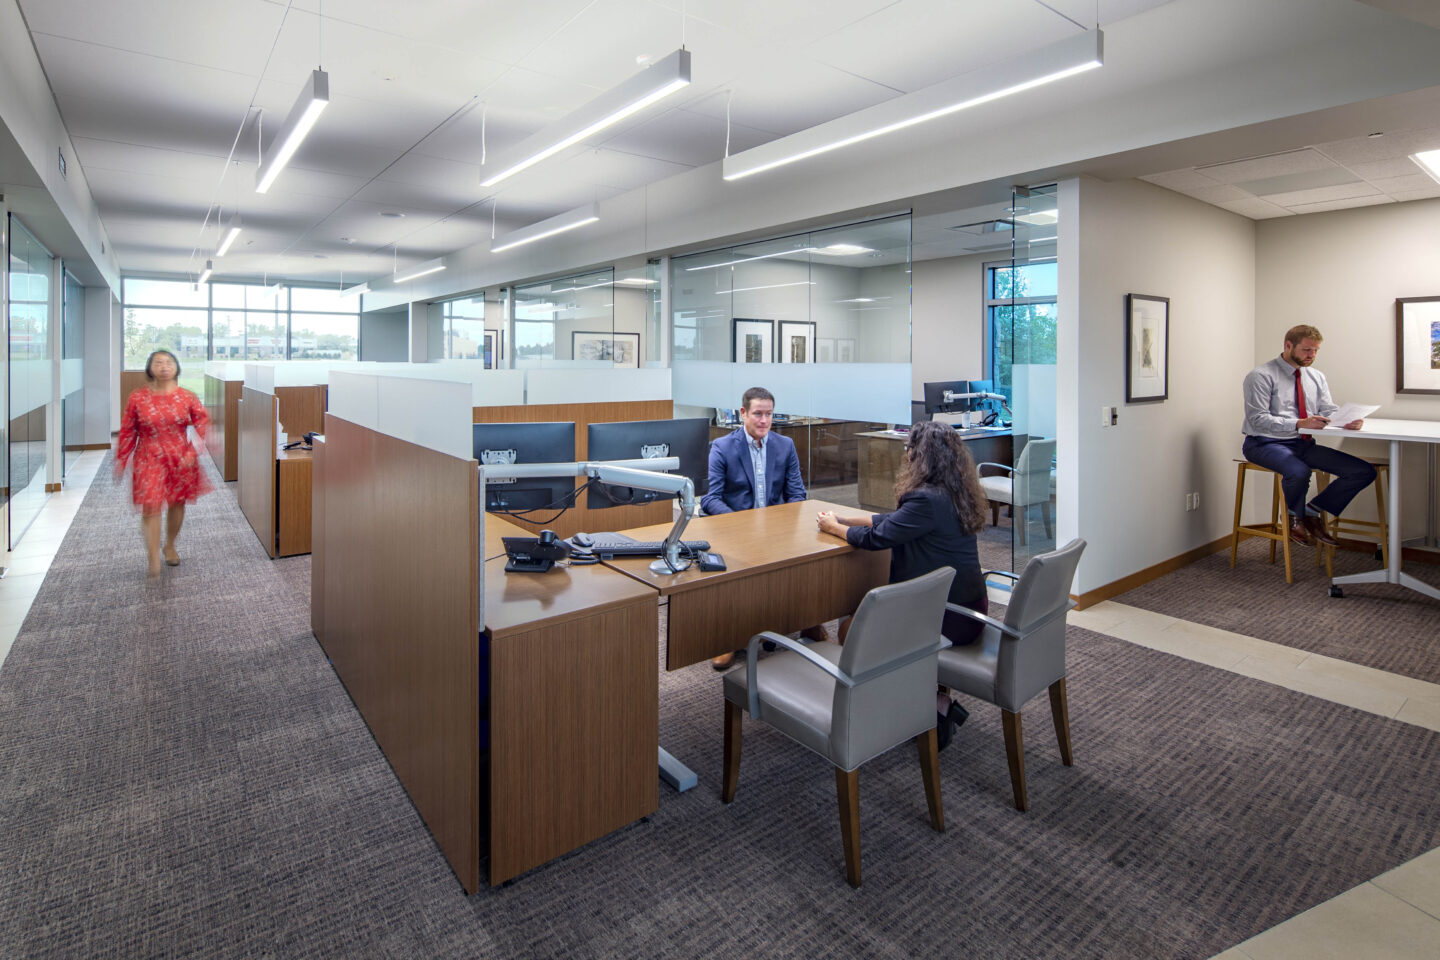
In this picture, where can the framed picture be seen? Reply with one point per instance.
(1417, 345)
(845, 351)
(1147, 348)
(825, 350)
(620, 349)
(753, 340)
(490, 350)
(797, 341)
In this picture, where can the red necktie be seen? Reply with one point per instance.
(1300, 403)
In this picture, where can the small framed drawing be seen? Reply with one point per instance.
(620, 349)
(825, 350)
(845, 351)
(1147, 347)
(797, 341)
(1417, 345)
(489, 353)
(753, 340)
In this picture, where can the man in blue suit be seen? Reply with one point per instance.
(752, 467)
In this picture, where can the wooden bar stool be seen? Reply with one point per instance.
(1377, 530)
(1276, 531)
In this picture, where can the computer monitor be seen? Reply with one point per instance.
(918, 413)
(984, 386)
(643, 440)
(935, 397)
(497, 443)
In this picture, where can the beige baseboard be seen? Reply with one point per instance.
(88, 446)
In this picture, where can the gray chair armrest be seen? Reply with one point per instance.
(977, 615)
(752, 688)
(1006, 629)
(996, 469)
(999, 573)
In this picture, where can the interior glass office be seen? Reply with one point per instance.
(589, 319)
(72, 370)
(822, 320)
(27, 372)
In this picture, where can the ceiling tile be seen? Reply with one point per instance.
(685, 137)
(1343, 191)
(1340, 204)
(1405, 195)
(1416, 181)
(1376, 170)
(1181, 181)
(1395, 144)
(1255, 209)
(1257, 168)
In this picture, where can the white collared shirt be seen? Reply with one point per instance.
(757, 460)
(1270, 409)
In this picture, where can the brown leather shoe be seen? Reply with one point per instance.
(1315, 526)
(723, 662)
(1298, 533)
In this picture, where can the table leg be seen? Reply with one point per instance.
(675, 773)
(1392, 573)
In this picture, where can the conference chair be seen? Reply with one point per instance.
(1022, 486)
(855, 702)
(1012, 662)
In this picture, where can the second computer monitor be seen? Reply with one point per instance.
(500, 443)
(689, 440)
(935, 397)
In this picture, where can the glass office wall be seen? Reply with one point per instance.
(822, 320)
(72, 370)
(28, 377)
(572, 321)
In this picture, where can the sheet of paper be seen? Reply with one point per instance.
(1350, 412)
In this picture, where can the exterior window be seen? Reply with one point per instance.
(1020, 328)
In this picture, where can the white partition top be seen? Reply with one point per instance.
(430, 412)
(260, 376)
(489, 388)
(839, 391)
(590, 385)
(225, 369)
(302, 373)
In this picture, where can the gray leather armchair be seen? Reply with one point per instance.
(1012, 662)
(855, 702)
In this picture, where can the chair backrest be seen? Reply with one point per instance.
(1030, 664)
(893, 698)
(1032, 472)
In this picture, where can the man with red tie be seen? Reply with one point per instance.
(1282, 397)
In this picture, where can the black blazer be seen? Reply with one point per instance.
(923, 534)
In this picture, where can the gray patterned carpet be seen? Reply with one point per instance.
(1374, 624)
(181, 775)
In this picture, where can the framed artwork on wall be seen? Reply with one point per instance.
(1417, 345)
(797, 341)
(825, 350)
(1147, 347)
(845, 351)
(621, 349)
(490, 349)
(753, 341)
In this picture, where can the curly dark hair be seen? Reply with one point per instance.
(937, 458)
(150, 374)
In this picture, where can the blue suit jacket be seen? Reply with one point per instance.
(732, 476)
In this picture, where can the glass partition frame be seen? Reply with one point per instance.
(28, 372)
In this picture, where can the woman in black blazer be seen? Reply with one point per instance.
(939, 510)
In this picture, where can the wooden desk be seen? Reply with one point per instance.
(781, 574)
(882, 451)
(274, 485)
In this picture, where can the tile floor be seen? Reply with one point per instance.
(1396, 915)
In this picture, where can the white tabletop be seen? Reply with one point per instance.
(1418, 431)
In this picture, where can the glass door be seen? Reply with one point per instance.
(28, 375)
(72, 371)
(1025, 325)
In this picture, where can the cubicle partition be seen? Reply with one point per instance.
(224, 380)
(274, 484)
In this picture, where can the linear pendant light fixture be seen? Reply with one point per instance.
(205, 274)
(569, 220)
(422, 270)
(314, 98)
(635, 94)
(232, 230)
(1073, 55)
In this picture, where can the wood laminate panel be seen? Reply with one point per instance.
(222, 440)
(574, 732)
(256, 474)
(130, 381)
(781, 574)
(400, 588)
(317, 552)
(581, 518)
(880, 455)
(302, 409)
(292, 502)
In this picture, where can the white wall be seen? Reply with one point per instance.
(1342, 272)
(385, 335)
(101, 382)
(1122, 488)
(948, 320)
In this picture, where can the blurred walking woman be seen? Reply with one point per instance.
(167, 473)
(940, 508)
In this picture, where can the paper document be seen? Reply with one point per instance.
(1350, 412)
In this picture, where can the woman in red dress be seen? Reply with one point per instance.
(167, 468)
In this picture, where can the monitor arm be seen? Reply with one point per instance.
(951, 396)
(629, 473)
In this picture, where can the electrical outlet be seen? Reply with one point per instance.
(1114, 416)
(1188, 501)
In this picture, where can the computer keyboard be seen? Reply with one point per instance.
(636, 548)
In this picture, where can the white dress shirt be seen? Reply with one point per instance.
(1270, 409)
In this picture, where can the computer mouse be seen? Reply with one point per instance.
(582, 540)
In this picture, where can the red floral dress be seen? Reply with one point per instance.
(167, 467)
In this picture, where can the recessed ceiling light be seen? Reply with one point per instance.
(1377, 133)
(843, 250)
(391, 214)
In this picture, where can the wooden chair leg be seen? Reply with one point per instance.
(847, 791)
(1279, 504)
(1239, 499)
(1045, 519)
(1060, 711)
(994, 513)
(1015, 753)
(731, 774)
(1274, 520)
(1381, 479)
(929, 748)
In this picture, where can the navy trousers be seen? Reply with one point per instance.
(1294, 459)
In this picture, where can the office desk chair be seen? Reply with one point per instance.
(1011, 663)
(855, 702)
(1025, 485)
